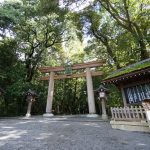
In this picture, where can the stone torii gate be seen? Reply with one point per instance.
(88, 74)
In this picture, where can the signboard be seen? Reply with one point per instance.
(138, 93)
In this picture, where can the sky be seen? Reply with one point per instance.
(79, 5)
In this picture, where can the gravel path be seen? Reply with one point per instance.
(67, 133)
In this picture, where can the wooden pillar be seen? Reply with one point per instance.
(90, 93)
(50, 96)
(123, 96)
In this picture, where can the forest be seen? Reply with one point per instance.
(35, 33)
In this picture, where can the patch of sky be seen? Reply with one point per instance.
(76, 6)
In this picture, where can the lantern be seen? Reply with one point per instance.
(30, 97)
(102, 91)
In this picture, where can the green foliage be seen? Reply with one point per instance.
(48, 6)
(9, 16)
(8, 60)
(69, 97)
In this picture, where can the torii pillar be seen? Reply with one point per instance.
(90, 93)
(50, 96)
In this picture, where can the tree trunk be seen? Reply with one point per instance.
(104, 39)
(144, 53)
(109, 51)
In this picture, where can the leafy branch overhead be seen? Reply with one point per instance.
(129, 15)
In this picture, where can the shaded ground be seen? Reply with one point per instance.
(68, 133)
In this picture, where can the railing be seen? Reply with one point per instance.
(128, 113)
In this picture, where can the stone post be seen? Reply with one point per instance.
(91, 102)
(50, 96)
(104, 114)
(146, 105)
(28, 114)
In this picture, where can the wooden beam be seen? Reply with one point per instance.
(74, 67)
(58, 77)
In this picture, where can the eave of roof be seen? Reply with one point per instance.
(136, 69)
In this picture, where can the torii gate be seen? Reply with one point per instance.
(88, 74)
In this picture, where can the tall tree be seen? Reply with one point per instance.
(37, 33)
(131, 15)
(104, 32)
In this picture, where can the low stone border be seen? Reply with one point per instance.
(130, 126)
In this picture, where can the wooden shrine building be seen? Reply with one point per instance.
(134, 83)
